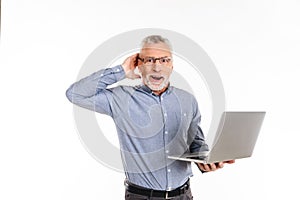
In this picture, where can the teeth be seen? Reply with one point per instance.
(156, 77)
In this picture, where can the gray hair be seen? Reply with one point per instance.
(155, 39)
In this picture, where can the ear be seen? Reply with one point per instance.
(139, 69)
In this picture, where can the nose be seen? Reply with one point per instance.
(156, 67)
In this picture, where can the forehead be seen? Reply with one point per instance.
(155, 50)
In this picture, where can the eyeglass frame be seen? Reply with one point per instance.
(155, 59)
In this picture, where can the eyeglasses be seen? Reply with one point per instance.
(152, 60)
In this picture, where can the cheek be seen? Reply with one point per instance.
(143, 71)
(168, 72)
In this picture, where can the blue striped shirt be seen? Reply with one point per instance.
(149, 127)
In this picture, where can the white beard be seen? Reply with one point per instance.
(155, 87)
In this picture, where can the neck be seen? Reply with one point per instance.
(159, 92)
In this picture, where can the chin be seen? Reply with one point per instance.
(157, 87)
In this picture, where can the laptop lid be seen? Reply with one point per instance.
(236, 136)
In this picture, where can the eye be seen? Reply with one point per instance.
(149, 60)
(165, 60)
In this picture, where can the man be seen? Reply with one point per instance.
(153, 120)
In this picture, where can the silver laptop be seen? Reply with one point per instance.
(236, 137)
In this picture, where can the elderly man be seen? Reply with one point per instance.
(153, 120)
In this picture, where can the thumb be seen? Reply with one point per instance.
(132, 75)
(136, 76)
(230, 161)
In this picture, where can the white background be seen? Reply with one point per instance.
(254, 44)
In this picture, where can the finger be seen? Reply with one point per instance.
(220, 165)
(131, 59)
(136, 60)
(206, 167)
(201, 167)
(134, 56)
(213, 167)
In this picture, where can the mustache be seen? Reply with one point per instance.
(156, 75)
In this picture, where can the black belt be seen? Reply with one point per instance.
(157, 193)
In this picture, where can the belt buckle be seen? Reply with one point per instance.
(166, 196)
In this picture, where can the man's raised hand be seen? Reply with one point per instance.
(129, 66)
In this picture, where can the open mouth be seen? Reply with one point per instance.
(156, 78)
(156, 82)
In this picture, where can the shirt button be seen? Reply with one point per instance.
(166, 132)
(169, 170)
(167, 151)
(165, 114)
(101, 74)
(184, 114)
